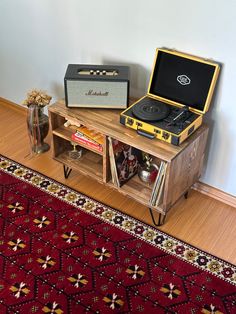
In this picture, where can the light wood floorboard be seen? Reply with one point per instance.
(200, 220)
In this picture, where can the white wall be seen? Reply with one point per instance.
(40, 38)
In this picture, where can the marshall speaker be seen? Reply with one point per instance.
(96, 86)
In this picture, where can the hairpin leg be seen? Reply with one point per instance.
(67, 171)
(161, 218)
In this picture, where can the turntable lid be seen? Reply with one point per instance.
(183, 79)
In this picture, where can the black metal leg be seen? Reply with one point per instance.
(161, 218)
(186, 195)
(67, 171)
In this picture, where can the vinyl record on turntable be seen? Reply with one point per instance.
(150, 110)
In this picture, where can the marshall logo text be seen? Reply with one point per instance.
(93, 93)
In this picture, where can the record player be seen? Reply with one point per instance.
(179, 94)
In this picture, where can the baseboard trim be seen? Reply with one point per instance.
(215, 193)
(13, 105)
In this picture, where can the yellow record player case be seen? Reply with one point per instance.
(180, 91)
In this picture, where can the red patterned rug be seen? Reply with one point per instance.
(62, 252)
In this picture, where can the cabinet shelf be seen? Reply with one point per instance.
(183, 163)
(88, 164)
(137, 189)
(66, 133)
(63, 132)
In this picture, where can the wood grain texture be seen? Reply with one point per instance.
(183, 162)
(215, 193)
(200, 220)
(107, 122)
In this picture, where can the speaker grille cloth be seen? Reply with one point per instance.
(96, 93)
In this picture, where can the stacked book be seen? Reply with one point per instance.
(158, 188)
(89, 138)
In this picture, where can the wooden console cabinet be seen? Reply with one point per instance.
(184, 162)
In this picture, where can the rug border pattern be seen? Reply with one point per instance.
(167, 243)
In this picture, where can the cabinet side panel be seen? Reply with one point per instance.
(186, 169)
(56, 120)
(196, 158)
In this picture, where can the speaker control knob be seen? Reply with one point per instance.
(130, 121)
(165, 135)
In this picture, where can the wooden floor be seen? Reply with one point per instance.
(201, 221)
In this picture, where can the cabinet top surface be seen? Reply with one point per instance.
(107, 121)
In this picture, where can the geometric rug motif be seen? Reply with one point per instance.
(63, 252)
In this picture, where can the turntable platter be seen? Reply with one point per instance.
(150, 110)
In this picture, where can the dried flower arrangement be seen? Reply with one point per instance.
(37, 97)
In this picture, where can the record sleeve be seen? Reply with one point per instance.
(127, 160)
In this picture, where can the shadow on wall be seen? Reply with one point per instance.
(58, 89)
(210, 117)
(139, 77)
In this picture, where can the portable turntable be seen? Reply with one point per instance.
(179, 93)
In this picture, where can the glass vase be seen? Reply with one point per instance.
(38, 126)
